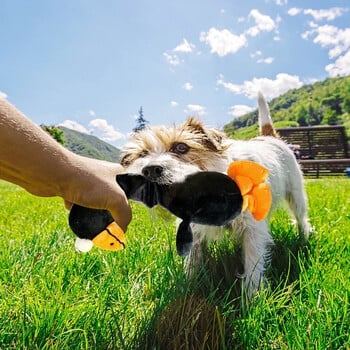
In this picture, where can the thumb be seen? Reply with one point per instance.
(121, 212)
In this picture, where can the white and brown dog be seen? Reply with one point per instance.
(166, 155)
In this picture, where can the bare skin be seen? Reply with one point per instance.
(32, 159)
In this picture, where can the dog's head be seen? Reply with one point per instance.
(165, 155)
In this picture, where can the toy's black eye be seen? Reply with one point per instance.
(179, 148)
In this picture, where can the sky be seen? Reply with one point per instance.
(91, 64)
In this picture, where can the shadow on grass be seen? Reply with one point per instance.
(203, 310)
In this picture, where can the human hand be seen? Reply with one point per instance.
(95, 186)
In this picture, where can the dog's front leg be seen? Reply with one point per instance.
(255, 241)
(202, 235)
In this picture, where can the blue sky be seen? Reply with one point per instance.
(91, 64)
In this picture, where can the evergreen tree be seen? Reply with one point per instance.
(141, 122)
(55, 133)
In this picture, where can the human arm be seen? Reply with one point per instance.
(32, 159)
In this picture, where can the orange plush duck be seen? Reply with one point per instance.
(207, 198)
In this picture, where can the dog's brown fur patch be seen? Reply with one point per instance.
(268, 130)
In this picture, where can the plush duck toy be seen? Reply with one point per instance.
(207, 198)
(95, 227)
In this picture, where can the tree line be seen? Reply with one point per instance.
(322, 103)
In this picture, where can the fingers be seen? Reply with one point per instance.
(68, 205)
(120, 209)
(121, 212)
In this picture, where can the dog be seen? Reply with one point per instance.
(165, 155)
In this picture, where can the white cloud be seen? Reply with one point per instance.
(195, 109)
(325, 14)
(239, 110)
(341, 66)
(267, 60)
(223, 42)
(174, 60)
(338, 40)
(310, 80)
(187, 86)
(3, 95)
(313, 24)
(108, 133)
(256, 53)
(321, 14)
(270, 88)
(294, 11)
(263, 23)
(173, 104)
(281, 2)
(73, 125)
(185, 46)
(92, 113)
(306, 34)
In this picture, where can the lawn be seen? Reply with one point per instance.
(54, 298)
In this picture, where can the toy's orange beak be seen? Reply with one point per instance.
(111, 238)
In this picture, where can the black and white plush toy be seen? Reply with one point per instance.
(207, 198)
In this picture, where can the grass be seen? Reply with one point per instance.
(54, 298)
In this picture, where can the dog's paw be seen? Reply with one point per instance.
(304, 228)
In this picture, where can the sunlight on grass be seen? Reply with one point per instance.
(54, 298)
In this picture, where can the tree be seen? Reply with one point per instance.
(346, 104)
(346, 99)
(141, 122)
(330, 117)
(55, 133)
(302, 116)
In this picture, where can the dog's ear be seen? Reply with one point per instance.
(193, 124)
(216, 138)
(211, 138)
(126, 159)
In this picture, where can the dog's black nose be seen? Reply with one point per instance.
(152, 172)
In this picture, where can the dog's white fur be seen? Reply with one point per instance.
(191, 147)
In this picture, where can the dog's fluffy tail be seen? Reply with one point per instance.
(266, 127)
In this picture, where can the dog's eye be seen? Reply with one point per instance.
(179, 148)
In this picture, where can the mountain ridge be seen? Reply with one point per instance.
(89, 145)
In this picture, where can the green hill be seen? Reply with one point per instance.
(323, 103)
(89, 146)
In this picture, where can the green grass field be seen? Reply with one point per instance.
(54, 298)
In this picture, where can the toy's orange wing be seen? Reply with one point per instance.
(111, 238)
(263, 201)
(254, 171)
(250, 177)
(244, 183)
